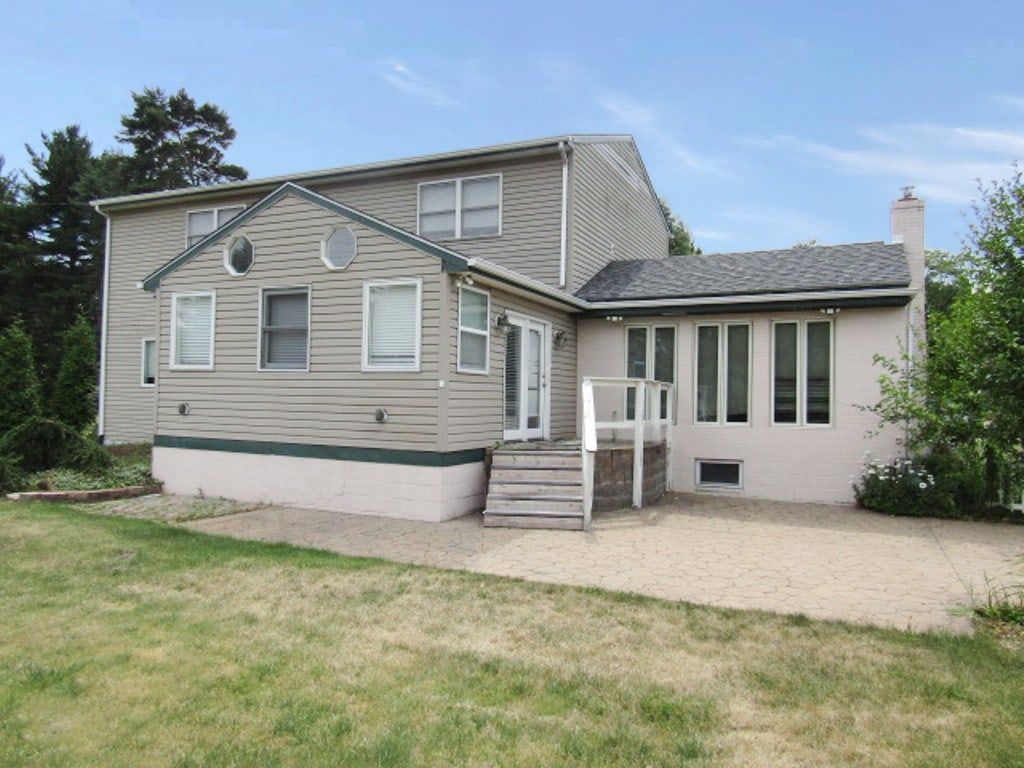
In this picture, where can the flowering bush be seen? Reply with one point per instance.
(899, 487)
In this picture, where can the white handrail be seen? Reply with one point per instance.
(646, 410)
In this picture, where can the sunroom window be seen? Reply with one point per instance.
(802, 373)
(723, 373)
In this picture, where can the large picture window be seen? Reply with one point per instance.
(459, 208)
(202, 223)
(391, 325)
(474, 338)
(284, 329)
(722, 391)
(192, 322)
(650, 354)
(802, 373)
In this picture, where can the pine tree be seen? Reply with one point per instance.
(18, 381)
(680, 241)
(74, 395)
(176, 143)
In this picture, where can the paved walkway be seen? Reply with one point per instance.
(829, 562)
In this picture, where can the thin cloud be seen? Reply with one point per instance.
(713, 234)
(1017, 102)
(945, 163)
(400, 76)
(643, 121)
(778, 227)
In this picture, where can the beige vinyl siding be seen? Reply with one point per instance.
(613, 213)
(140, 242)
(332, 403)
(475, 412)
(530, 238)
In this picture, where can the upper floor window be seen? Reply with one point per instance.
(202, 223)
(238, 256)
(723, 374)
(338, 248)
(802, 372)
(474, 330)
(192, 330)
(469, 207)
(284, 329)
(391, 325)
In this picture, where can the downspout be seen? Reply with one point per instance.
(563, 255)
(101, 406)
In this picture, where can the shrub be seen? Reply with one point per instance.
(900, 487)
(19, 385)
(11, 476)
(960, 477)
(44, 444)
(74, 394)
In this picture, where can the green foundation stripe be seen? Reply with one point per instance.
(333, 452)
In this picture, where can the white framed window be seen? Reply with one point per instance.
(802, 372)
(712, 473)
(391, 325)
(474, 331)
(238, 256)
(192, 328)
(722, 374)
(201, 223)
(458, 208)
(338, 248)
(650, 354)
(148, 363)
(284, 329)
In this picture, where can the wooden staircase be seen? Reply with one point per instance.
(536, 485)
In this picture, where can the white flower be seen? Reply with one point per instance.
(922, 486)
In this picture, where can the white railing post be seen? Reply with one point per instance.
(669, 421)
(588, 450)
(639, 421)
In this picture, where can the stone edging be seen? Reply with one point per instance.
(104, 494)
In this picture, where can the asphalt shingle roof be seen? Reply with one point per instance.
(815, 268)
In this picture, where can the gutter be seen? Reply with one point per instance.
(563, 254)
(755, 302)
(524, 286)
(101, 409)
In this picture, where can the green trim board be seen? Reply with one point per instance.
(450, 260)
(330, 452)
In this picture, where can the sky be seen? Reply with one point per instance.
(763, 124)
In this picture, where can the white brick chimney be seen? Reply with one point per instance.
(907, 220)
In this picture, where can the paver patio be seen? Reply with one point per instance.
(828, 562)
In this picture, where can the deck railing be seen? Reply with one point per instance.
(652, 412)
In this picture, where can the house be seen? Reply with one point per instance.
(358, 338)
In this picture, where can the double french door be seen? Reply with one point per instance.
(527, 361)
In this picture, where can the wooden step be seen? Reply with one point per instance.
(567, 523)
(536, 474)
(532, 488)
(553, 504)
(546, 459)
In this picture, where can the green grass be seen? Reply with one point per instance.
(131, 642)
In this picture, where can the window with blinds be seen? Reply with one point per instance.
(391, 325)
(284, 329)
(474, 330)
(192, 330)
(802, 372)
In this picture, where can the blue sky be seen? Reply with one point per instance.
(762, 124)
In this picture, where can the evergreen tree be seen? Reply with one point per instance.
(176, 143)
(74, 395)
(680, 242)
(18, 381)
(16, 263)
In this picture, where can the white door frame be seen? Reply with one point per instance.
(542, 432)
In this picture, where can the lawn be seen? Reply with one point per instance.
(133, 642)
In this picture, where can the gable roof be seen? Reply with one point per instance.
(450, 260)
(258, 186)
(851, 267)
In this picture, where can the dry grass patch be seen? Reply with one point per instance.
(129, 642)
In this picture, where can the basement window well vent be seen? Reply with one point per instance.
(719, 474)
